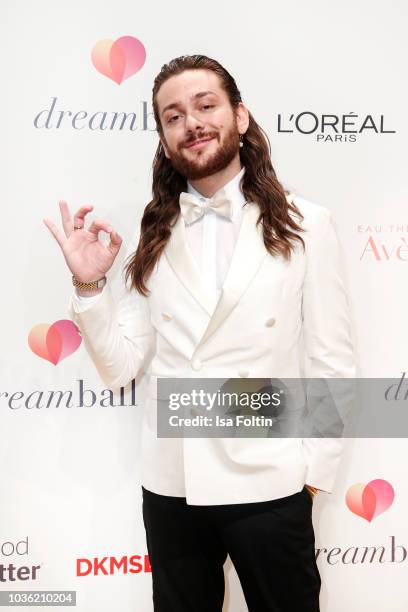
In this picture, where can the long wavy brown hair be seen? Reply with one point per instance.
(259, 184)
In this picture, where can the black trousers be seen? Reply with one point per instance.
(271, 545)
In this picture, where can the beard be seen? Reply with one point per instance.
(200, 164)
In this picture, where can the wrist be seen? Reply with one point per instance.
(88, 292)
(86, 288)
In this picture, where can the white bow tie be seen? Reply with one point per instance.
(192, 209)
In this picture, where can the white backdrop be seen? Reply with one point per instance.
(70, 480)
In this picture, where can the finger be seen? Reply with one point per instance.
(79, 217)
(98, 225)
(114, 243)
(65, 217)
(55, 231)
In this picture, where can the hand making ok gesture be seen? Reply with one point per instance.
(86, 256)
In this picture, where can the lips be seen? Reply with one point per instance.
(197, 143)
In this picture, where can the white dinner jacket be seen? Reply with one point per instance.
(274, 318)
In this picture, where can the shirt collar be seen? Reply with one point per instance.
(232, 191)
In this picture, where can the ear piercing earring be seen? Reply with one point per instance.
(241, 140)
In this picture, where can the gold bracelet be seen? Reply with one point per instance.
(98, 284)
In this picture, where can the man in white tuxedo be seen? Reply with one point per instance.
(232, 277)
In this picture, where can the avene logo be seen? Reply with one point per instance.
(370, 500)
(120, 59)
(54, 342)
(378, 251)
(384, 242)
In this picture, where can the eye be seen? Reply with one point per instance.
(205, 106)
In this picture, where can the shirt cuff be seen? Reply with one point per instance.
(82, 303)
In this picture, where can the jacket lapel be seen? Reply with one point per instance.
(181, 259)
(248, 254)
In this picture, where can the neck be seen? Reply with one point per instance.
(209, 185)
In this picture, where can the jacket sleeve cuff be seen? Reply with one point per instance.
(323, 456)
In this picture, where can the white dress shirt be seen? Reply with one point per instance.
(211, 239)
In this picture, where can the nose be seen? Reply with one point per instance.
(193, 123)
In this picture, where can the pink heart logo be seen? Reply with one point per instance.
(54, 342)
(370, 500)
(120, 59)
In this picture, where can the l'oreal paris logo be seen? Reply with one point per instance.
(332, 127)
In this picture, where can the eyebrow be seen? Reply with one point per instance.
(196, 96)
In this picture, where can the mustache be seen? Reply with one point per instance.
(200, 137)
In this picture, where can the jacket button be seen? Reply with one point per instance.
(166, 317)
(196, 364)
(270, 322)
(243, 373)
